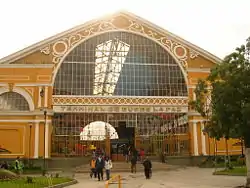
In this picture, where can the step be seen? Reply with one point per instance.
(125, 167)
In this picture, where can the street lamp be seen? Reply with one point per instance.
(44, 143)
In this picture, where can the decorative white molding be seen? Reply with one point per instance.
(42, 66)
(193, 54)
(199, 70)
(22, 92)
(203, 140)
(197, 120)
(195, 140)
(26, 84)
(36, 145)
(24, 120)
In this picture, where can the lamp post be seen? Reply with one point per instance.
(44, 133)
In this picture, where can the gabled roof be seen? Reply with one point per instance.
(39, 45)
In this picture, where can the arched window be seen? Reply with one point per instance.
(120, 64)
(12, 101)
(97, 131)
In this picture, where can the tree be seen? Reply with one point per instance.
(230, 96)
(202, 104)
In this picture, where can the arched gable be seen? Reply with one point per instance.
(55, 49)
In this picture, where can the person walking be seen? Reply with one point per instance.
(147, 168)
(133, 164)
(108, 165)
(99, 165)
(92, 167)
(125, 153)
(4, 165)
(18, 166)
(142, 155)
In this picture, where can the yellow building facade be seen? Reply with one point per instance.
(28, 77)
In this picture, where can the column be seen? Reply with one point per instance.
(46, 97)
(36, 145)
(39, 97)
(46, 140)
(203, 140)
(195, 139)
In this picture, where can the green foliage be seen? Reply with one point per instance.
(38, 182)
(230, 96)
(201, 104)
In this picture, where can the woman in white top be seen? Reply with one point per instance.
(108, 166)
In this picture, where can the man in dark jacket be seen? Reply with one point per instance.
(133, 164)
(99, 165)
(147, 168)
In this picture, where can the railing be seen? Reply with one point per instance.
(112, 179)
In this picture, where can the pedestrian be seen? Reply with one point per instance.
(125, 153)
(108, 166)
(147, 168)
(133, 164)
(142, 154)
(99, 165)
(4, 165)
(92, 167)
(18, 166)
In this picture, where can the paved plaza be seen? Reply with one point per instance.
(180, 178)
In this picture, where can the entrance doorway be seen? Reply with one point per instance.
(155, 133)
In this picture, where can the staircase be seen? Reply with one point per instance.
(125, 167)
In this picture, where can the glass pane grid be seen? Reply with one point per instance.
(120, 64)
(13, 101)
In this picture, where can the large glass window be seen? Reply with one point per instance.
(13, 101)
(120, 64)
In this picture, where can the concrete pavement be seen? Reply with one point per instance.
(181, 178)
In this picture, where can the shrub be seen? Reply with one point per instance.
(7, 175)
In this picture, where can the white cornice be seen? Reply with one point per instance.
(38, 45)
(26, 113)
(27, 84)
(26, 66)
(201, 70)
(24, 120)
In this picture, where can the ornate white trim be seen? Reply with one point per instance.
(22, 92)
(199, 70)
(26, 84)
(26, 66)
(24, 120)
(193, 54)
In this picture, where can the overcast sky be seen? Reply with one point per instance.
(217, 26)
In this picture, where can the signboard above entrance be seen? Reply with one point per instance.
(120, 109)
